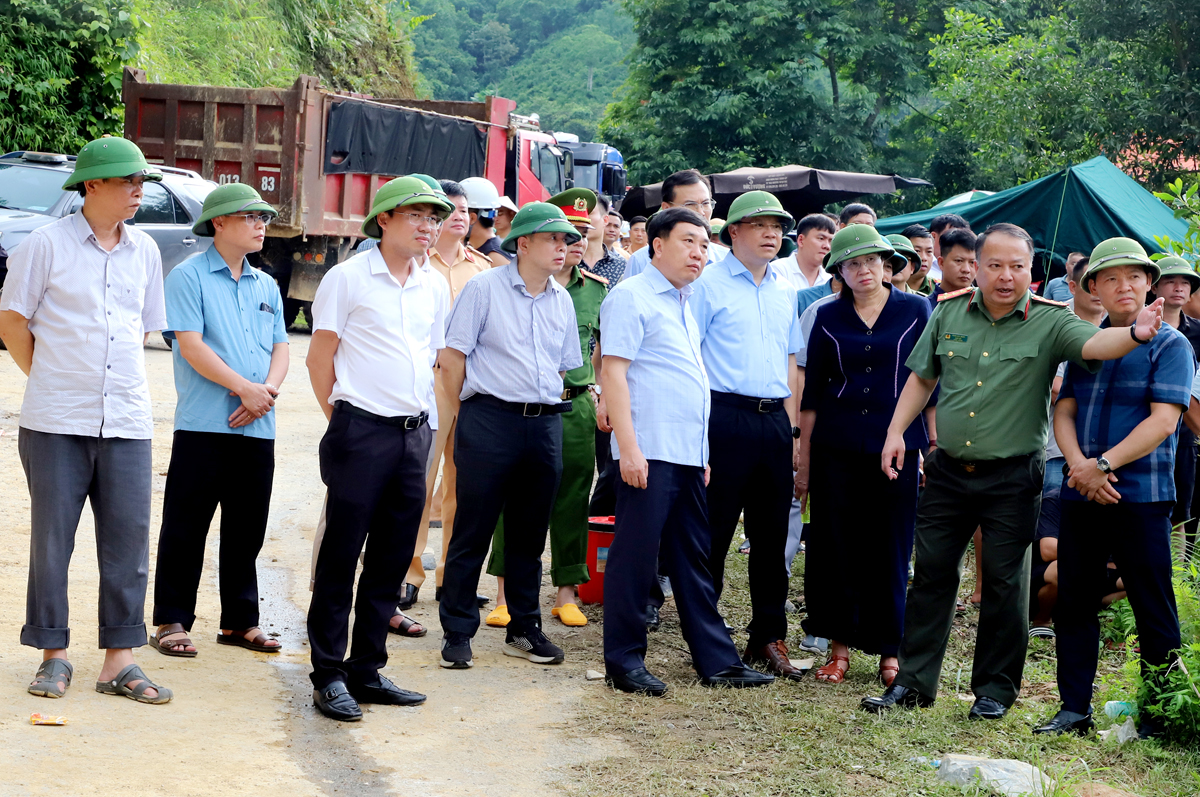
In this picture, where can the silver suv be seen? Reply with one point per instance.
(31, 196)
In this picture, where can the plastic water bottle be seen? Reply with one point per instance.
(1119, 708)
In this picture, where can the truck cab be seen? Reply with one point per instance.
(538, 167)
(597, 166)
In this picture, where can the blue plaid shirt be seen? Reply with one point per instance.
(1115, 400)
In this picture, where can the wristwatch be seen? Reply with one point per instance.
(795, 432)
(1102, 465)
(1136, 339)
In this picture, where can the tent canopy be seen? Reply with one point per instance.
(801, 189)
(1068, 211)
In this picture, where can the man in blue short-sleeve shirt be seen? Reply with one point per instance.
(1117, 431)
(230, 355)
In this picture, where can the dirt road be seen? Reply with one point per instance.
(244, 721)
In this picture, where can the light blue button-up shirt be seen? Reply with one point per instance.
(516, 344)
(645, 319)
(747, 331)
(639, 261)
(240, 321)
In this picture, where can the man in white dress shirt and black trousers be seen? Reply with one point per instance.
(511, 336)
(378, 320)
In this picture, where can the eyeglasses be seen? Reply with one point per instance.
(708, 203)
(769, 226)
(418, 219)
(865, 264)
(253, 219)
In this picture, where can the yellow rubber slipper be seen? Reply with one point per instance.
(499, 617)
(569, 614)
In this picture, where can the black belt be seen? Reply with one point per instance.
(409, 422)
(762, 405)
(571, 392)
(526, 410)
(985, 465)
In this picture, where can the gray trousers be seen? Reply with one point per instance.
(114, 473)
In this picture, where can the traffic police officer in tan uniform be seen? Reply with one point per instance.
(995, 350)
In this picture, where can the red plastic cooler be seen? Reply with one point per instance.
(600, 536)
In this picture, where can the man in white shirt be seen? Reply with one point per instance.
(803, 267)
(82, 292)
(378, 320)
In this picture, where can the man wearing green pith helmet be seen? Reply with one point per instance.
(81, 295)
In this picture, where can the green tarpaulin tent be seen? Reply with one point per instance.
(1068, 211)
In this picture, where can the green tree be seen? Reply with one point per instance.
(60, 71)
(492, 46)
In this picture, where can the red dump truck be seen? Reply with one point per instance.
(319, 156)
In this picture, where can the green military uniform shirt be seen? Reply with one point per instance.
(587, 291)
(926, 287)
(996, 373)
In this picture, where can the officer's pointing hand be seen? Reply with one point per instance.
(1149, 320)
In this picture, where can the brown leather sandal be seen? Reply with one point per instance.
(165, 646)
(888, 673)
(408, 627)
(258, 644)
(833, 672)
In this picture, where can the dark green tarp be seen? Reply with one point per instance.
(1068, 211)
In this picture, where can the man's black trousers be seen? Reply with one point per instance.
(506, 463)
(375, 473)
(1138, 537)
(210, 469)
(750, 453)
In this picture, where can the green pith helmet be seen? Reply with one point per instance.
(716, 225)
(429, 181)
(1175, 266)
(408, 190)
(229, 198)
(538, 217)
(752, 204)
(1118, 252)
(110, 157)
(854, 241)
(905, 253)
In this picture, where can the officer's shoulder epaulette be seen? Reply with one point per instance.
(596, 277)
(474, 255)
(1052, 302)
(967, 291)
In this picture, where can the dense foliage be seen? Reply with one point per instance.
(60, 71)
(562, 60)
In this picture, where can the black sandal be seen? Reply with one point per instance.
(258, 644)
(406, 626)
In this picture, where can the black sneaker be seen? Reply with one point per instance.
(456, 652)
(532, 645)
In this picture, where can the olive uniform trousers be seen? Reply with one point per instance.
(569, 518)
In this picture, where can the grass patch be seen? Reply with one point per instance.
(809, 738)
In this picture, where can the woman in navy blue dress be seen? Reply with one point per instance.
(860, 536)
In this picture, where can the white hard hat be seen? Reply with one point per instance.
(481, 194)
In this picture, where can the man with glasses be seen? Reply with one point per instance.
(82, 294)
(378, 322)
(510, 339)
(688, 189)
(750, 333)
(230, 357)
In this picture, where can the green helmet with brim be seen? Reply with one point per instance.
(854, 241)
(227, 199)
(538, 217)
(402, 191)
(753, 204)
(110, 157)
(1176, 266)
(1118, 252)
(905, 253)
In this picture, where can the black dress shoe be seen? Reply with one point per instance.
(653, 620)
(896, 696)
(1068, 722)
(728, 628)
(335, 702)
(408, 596)
(385, 692)
(638, 681)
(484, 600)
(738, 676)
(986, 708)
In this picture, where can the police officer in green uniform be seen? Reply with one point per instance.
(569, 518)
(995, 350)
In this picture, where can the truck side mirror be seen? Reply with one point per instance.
(568, 169)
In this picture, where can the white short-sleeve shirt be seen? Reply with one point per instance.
(89, 311)
(388, 333)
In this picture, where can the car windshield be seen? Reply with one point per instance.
(586, 175)
(198, 190)
(28, 188)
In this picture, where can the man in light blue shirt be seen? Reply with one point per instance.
(686, 189)
(657, 393)
(230, 354)
(750, 333)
